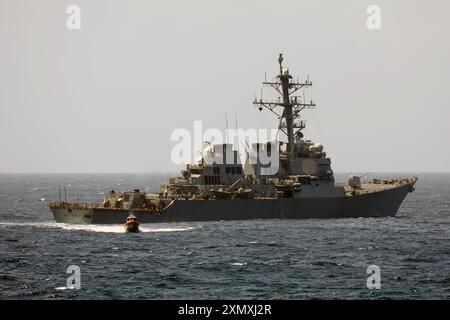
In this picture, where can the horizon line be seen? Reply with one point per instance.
(176, 172)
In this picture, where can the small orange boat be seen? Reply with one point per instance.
(132, 225)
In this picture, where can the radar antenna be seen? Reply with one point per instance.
(288, 108)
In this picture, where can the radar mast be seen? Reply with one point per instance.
(288, 107)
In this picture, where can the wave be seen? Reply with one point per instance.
(95, 227)
(117, 228)
(239, 264)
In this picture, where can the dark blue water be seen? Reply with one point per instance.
(277, 259)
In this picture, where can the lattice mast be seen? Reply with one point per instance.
(290, 105)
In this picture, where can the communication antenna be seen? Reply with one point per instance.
(226, 128)
(237, 132)
(59, 191)
(287, 109)
(65, 194)
(247, 146)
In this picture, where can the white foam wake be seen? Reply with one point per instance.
(117, 228)
(95, 227)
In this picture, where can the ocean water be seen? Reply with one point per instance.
(272, 259)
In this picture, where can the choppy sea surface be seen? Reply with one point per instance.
(272, 259)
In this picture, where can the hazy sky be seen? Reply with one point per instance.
(107, 97)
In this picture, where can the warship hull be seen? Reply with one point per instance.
(296, 182)
(382, 203)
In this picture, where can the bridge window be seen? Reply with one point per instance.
(233, 170)
(305, 180)
(212, 180)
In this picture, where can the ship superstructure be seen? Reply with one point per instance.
(219, 187)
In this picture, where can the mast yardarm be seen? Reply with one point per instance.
(288, 106)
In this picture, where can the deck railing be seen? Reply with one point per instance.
(74, 205)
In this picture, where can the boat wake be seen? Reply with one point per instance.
(118, 228)
(94, 228)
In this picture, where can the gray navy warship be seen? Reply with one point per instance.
(302, 187)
